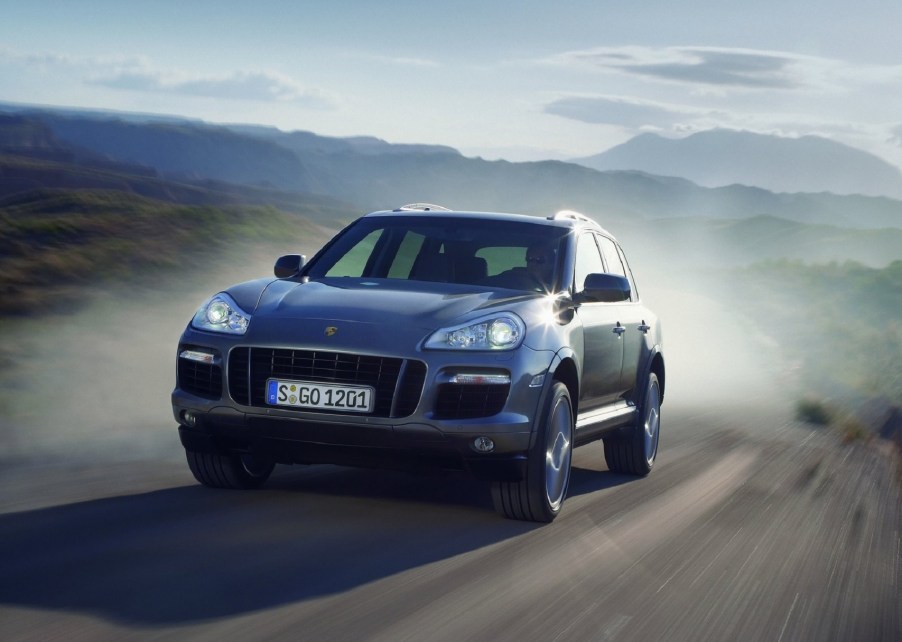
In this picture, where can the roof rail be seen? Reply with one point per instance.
(576, 216)
(422, 207)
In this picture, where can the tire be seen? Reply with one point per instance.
(634, 451)
(539, 497)
(237, 471)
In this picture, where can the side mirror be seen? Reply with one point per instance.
(608, 288)
(289, 265)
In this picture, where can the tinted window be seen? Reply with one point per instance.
(427, 248)
(611, 257)
(353, 262)
(588, 260)
(407, 254)
(499, 259)
(629, 274)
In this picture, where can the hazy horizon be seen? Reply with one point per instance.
(538, 82)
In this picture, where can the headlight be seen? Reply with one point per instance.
(498, 332)
(221, 314)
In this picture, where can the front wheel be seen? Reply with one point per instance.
(635, 451)
(539, 497)
(233, 470)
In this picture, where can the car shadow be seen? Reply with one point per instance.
(584, 481)
(589, 473)
(189, 554)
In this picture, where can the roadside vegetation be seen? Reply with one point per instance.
(56, 245)
(839, 329)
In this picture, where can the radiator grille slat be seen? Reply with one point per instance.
(456, 401)
(249, 368)
(201, 379)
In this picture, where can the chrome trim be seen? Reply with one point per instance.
(608, 413)
(198, 356)
(476, 379)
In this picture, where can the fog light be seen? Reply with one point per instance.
(484, 444)
(189, 418)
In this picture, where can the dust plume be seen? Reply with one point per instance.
(94, 384)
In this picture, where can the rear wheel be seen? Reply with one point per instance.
(539, 496)
(634, 451)
(239, 471)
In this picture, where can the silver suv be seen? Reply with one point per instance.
(423, 338)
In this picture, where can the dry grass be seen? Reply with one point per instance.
(58, 242)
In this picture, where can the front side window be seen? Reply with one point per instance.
(588, 260)
(611, 256)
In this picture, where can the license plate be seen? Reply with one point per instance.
(320, 396)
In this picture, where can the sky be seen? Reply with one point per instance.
(522, 81)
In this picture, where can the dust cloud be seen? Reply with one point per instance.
(716, 357)
(95, 384)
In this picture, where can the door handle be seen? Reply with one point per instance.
(619, 329)
(644, 328)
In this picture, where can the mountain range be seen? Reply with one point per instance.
(719, 157)
(332, 180)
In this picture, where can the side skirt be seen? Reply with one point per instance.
(595, 424)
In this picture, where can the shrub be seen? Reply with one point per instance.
(814, 411)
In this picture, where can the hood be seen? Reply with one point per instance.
(373, 300)
(370, 310)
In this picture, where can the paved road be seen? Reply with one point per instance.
(749, 528)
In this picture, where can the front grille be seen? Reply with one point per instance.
(200, 379)
(239, 381)
(249, 368)
(410, 388)
(464, 401)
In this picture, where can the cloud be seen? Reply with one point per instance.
(730, 68)
(261, 86)
(138, 74)
(396, 60)
(633, 113)
(35, 61)
(709, 66)
(895, 136)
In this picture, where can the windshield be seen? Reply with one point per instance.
(472, 251)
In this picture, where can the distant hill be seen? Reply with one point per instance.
(708, 243)
(188, 150)
(58, 245)
(33, 158)
(720, 157)
(303, 142)
(371, 174)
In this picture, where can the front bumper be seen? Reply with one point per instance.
(409, 447)
(424, 439)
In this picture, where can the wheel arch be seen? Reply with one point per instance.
(657, 366)
(563, 369)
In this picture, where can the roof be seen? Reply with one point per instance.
(564, 218)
